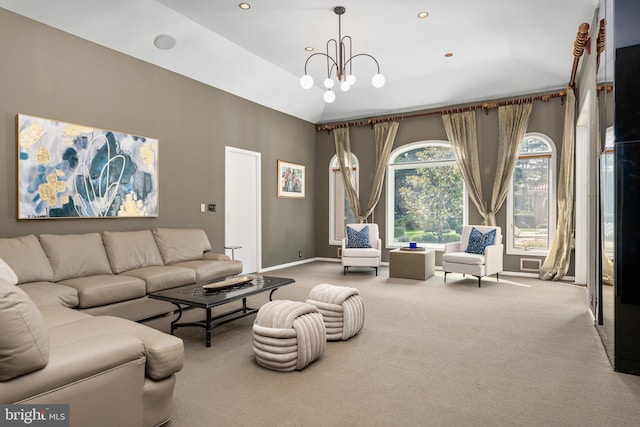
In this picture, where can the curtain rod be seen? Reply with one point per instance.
(484, 106)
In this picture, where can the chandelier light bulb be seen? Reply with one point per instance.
(351, 79)
(344, 86)
(329, 97)
(377, 81)
(328, 83)
(306, 81)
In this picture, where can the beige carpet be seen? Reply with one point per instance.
(519, 352)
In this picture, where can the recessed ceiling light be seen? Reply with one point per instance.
(448, 55)
(308, 49)
(244, 6)
(164, 42)
(423, 15)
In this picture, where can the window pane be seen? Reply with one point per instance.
(531, 204)
(428, 204)
(343, 212)
(534, 145)
(433, 152)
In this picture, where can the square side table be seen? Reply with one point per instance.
(418, 265)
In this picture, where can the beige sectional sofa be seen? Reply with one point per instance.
(66, 329)
(110, 371)
(111, 273)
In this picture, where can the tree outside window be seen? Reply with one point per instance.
(426, 193)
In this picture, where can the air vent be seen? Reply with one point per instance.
(530, 264)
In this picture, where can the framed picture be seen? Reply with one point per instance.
(291, 177)
(74, 171)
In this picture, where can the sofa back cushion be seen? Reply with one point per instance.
(75, 255)
(24, 338)
(128, 250)
(181, 244)
(26, 258)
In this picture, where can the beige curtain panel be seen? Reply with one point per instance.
(462, 134)
(384, 136)
(343, 151)
(512, 122)
(556, 264)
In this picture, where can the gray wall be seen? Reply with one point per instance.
(51, 74)
(546, 118)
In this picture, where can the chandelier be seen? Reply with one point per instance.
(339, 65)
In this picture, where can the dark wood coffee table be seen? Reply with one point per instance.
(196, 296)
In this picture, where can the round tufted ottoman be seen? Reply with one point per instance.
(288, 335)
(342, 309)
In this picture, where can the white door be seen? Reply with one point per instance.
(242, 214)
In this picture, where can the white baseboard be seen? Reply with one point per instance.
(306, 261)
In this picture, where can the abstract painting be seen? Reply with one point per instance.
(74, 171)
(291, 178)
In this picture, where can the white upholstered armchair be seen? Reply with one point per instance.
(479, 252)
(362, 247)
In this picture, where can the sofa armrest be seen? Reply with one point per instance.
(452, 247)
(377, 244)
(75, 362)
(215, 256)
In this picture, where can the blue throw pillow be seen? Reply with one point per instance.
(478, 241)
(358, 239)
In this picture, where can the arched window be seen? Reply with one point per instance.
(531, 201)
(340, 211)
(426, 199)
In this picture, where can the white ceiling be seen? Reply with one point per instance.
(501, 48)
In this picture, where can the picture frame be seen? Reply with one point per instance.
(66, 170)
(291, 180)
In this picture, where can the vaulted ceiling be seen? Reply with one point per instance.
(500, 48)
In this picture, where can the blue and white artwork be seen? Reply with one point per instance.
(74, 171)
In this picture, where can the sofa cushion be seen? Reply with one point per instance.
(104, 289)
(181, 244)
(75, 255)
(128, 250)
(48, 293)
(55, 315)
(24, 341)
(207, 270)
(163, 277)
(7, 274)
(463, 258)
(26, 258)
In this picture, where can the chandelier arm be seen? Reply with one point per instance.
(350, 53)
(363, 54)
(318, 53)
(335, 52)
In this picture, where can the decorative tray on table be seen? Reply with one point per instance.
(407, 248)
(232, 281)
